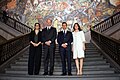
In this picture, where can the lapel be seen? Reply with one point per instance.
(46, 29)
(62, 33)
(66, 33)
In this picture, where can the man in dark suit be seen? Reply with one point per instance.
(65, 39)
(48, 36)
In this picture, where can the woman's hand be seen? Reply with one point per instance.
(84, 47)
(33, 43)
(37, 44)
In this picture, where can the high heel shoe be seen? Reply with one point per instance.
(80, 73)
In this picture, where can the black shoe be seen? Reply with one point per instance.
(50, 73)
(30, 74)
(69, 74)
(45, 73)
(36, 74)
(63, 74)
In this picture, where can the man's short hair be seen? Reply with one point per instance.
(64, 23)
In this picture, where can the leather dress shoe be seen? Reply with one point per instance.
(45, 74)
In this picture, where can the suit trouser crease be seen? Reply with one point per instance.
(48, 54)
(65, 54)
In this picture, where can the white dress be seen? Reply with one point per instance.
(78, 39)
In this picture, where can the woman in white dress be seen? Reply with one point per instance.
(78, 47)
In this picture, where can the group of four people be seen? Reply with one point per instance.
(47, 38)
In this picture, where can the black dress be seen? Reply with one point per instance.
(35, 53)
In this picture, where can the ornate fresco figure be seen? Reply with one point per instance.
(84, 11)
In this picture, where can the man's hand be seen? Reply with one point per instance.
(72, 49)
(47, 43)
(64, 45)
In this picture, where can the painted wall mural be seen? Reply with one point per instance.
(85, 12)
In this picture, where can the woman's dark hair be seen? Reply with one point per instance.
(78, 27)
(36, 24)
(64, 23)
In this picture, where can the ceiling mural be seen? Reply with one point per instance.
(85, 12)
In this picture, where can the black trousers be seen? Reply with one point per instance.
(65, 53)
(34, 61)
(49, 53)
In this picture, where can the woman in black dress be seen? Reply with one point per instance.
(35, 51)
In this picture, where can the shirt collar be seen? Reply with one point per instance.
(65, 30)
(48, 27)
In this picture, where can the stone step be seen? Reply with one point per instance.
(87, 49)
(56, 63)
(59, 63)
(57, 53)
(86, 53)
(59, 77)
(84, 72)
(87, 45)
(86, 59)
(59, 60)
(58, 56)
(73, 66)
(60, 69)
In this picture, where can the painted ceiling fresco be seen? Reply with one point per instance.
(85, 12)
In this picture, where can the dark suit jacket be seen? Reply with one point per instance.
(49, 35)
(68, 38)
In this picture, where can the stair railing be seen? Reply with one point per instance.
(107, 23)
(109, 45)
(16, 24)
(12, 47)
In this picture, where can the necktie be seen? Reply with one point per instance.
(64, 33)
(48, 29)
